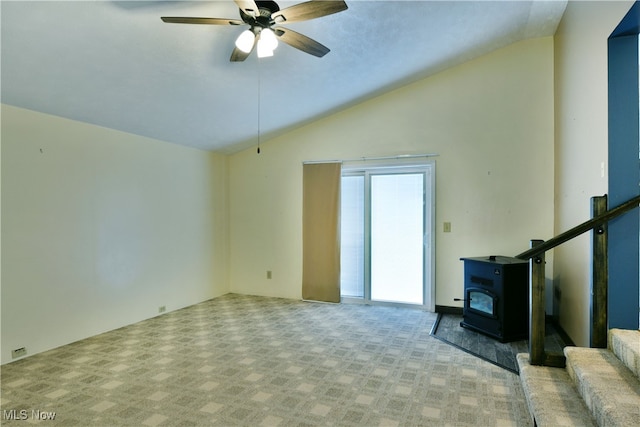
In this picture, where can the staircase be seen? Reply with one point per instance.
(598, 387)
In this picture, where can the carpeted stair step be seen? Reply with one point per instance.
(551, 396)
(609, 389)
(625, 344)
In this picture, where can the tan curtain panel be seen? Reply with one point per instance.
(321, 232)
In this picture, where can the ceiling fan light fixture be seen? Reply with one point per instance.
(263, 50)
(267, 43)
(268, 37)
(245, 41)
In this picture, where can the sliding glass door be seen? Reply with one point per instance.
(386, 234)
(397, 236)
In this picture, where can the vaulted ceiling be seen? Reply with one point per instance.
(116, 64)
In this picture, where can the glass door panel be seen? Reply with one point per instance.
(387, 235)
(352, 237)
(397, 238)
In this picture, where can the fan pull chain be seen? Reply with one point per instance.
(259, 106)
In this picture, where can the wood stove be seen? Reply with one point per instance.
(496, 301)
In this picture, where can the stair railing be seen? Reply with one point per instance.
(599, 281)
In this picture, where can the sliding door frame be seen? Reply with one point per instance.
(427, 168)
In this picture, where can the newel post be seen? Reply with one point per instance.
(599, 275)
(536, 307)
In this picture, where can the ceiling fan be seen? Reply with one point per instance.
(263, 18)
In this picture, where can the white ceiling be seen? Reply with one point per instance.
(117, 65)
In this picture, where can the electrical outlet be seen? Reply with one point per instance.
(447, 227)
(162, 309)
(19, 352)
(269, 274)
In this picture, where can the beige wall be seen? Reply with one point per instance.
(581, 146)
(491, 122)
(100, 228)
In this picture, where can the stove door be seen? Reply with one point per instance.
(482, 302)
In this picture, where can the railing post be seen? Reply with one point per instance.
(536, 307)
(599, 275)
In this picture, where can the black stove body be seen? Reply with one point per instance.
(496, 301)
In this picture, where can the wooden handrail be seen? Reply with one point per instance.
(582, 228)
(536, 257)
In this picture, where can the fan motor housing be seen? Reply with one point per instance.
(263, 19)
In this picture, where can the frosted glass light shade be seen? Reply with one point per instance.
(245, 41)
(263, 50)
(269, 38)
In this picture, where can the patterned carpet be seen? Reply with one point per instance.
(243, 360)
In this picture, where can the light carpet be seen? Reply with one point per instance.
(245, 360)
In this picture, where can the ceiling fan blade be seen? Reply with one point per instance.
(238, 56)
(300, 41)
(205, 21)
(248, 6)
(308, 10)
